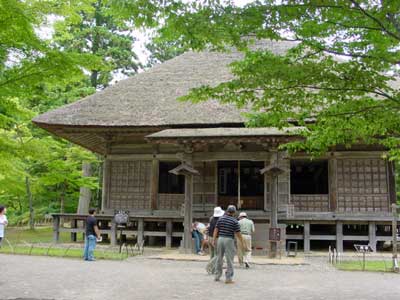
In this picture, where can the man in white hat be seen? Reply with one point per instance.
(246, 229)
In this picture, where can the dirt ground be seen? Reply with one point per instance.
(29, 277)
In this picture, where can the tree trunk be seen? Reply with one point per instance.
(30, 200)
(85, 193)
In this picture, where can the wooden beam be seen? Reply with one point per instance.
(168, 237)
(306, 237)
(372, 235)
(106, 185)
(391, 182)
(342, 154)
(154, 184)
(210, 156)
(339, 237)
(113, 234)
(188, 218)
(141, 156)
(56, 229)
(140, 231)
(332, 178)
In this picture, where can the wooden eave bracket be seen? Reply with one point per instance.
(184, 169)
(273, 170)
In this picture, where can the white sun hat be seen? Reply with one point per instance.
(242, 215)
(218, 212)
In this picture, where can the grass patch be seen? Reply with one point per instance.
(39, 242)
(61, 252)
(372, 265)
(37, 235)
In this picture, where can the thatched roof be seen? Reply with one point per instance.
(149, 98)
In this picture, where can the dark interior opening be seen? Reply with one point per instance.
(355, 229)
(309, 177)
(322, 229)
(251, 184)
(295, 229)
(169, 183)
(321, 245)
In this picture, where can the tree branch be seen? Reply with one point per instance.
(376, 20)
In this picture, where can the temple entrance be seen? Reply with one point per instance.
(241, 184)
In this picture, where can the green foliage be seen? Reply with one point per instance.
(98, 30)
(339, 81)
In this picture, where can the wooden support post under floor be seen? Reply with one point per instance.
(113, 238)
(339, 237)
(74, 225)
(306, 237)
(168, 237)
(372, 235)
(56, 229)
(140, 231)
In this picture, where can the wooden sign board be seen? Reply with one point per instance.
(274, 234)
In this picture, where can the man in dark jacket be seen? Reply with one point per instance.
(92, 233)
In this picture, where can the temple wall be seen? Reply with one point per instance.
(362, 185)
(129, 185)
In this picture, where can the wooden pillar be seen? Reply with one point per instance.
(56, 229)
(154, 184)
(339, 237)
(306, 237)
(113, 238)
(332, 177)
(394, 237)
(168, 237)
(372, 235)
(265, 192)
(391, 182)
(140, 231)
(188, 218)
(106, 181)
(74, 225)
(239, 201)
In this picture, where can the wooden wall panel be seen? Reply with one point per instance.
(310, 203)
(362, 185)
(130, 185)
(204, 190)
(170, 201)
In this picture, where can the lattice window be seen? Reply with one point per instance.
(362, 185)
(130, 184)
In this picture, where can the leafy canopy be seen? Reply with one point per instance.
(341, 73)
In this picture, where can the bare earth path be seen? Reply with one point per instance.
(26, 277)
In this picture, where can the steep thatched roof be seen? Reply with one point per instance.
(149, 98)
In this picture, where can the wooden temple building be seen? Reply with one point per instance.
(143, 132)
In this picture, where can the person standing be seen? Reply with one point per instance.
(3, 222)
(224, 237)
(92, 234)
(211, 265)
(246, 229)
(218, 212)
(198, 230)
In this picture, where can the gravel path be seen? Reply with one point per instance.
(27, 277)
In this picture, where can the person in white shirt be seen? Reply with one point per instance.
(3, 222)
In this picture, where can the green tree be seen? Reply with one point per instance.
(29, 68)
(339, 80)
(100, 31)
